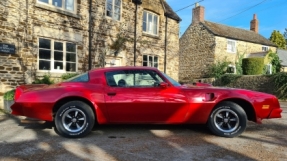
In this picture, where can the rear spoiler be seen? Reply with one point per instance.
(24, 88)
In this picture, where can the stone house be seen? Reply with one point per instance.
(39, 37)
(205, 43)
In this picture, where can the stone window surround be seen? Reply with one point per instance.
(265, 48)
(227, 49)
(153, 62)
(148, 33)
(52, 8)
(113, 12)
(52, 60)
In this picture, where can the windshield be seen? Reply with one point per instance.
(173, 82)
(79, 78)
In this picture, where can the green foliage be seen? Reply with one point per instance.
(68, 75)
(280, 81)
(252, 66)
(45, 80)
(278, 39)
(285, 35)
(218, 69)
(119, 42)
(9, 95)
(238, 63)
(276, 62)
(228, 78)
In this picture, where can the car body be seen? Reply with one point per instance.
(141, 95)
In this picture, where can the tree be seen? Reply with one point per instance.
(285, 35)
(276, 62)
(278, 39)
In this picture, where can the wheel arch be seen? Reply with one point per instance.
(247, 107)
(62, 101)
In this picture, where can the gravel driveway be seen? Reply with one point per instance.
(38, 141)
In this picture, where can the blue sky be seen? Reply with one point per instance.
(272, 14)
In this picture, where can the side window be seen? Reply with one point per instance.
(133, 78)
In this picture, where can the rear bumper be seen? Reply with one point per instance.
(275, 113)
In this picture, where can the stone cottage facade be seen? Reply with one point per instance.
(52, 37)
(205, 43)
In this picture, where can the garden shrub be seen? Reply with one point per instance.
(280, 81)
(45, 80)
(252, 66)
(9, 95)
(68, 75)
(228, 78)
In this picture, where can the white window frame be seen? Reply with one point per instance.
(151, 61)
(265, 48)
(52, 61)
(113, 10)
(50, 3)
(147, 26)
(230, 48)
(232, 67)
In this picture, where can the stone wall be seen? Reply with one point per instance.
(22, 23)
(196, 53)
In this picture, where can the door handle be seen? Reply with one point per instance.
(112, 93)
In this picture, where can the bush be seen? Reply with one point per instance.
(9, 95)
(228, 78)
(218, 69)
(68, 75)
(252, 66)
(45, 80)
(280, 81)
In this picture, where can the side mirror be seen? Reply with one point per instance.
(163, 85)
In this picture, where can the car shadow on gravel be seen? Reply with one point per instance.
(115, 142)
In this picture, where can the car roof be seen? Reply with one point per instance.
(123, 68)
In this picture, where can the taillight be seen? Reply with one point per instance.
(18, 92)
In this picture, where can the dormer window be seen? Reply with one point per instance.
(113, 9)
(150, 23)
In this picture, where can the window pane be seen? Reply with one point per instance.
(145, 64)
(71, 57)
(71, 67)
(145, 58)
(155, 25)
(57, 3)
(44, 43)
(117, 10)
(44, 54)
(155, 65)
(58, 55)
(44, 65)
(149, 23)
(71, 47)
(58, 65)
(155, 59)
(58, 46)
(118, 2)
(144, 17)
(45, 1)
(70, 5)
(116, 16)
(109, 10)
(144, 27)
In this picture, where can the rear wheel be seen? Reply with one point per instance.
(74, 119)
(228, 119)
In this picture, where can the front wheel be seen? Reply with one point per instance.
(228, 119)
(74, 119)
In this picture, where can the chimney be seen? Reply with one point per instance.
(197, 14)
(254, 24)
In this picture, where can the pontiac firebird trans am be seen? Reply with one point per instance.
(141, 95)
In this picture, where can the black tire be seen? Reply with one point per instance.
(227, 119)
(74, 119)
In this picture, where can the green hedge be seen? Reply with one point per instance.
(9, 95)
(252, 66)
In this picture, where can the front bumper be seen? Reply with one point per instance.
(275, 113)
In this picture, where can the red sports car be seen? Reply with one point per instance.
(141, 95)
